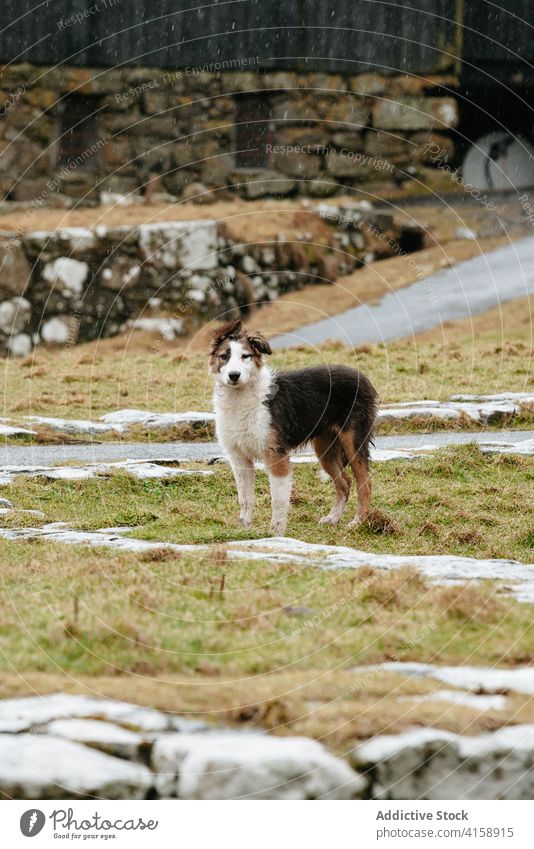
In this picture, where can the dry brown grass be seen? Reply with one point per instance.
(339, 707)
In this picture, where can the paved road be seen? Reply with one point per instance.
(50, 455)
(470, 288)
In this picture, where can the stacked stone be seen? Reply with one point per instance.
(78, 284)
(15, 310)
(328, 131)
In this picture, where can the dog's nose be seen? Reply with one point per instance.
(234, 376)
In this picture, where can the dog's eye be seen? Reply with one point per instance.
(246, 357)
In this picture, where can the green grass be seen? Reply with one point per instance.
(86, 383)
(267, 643)
(219, 638)
(455, 501)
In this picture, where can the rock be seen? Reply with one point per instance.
(105, 736)
(465, 233)
(39, 767)
(20, 345)
(264, 184)
(42, 244)
(310, 137)
(76, 240)
(6, 503)
(67, 275)
(9, 430)
(322, 188)
(14, 315)
(217, 171)
(433, 764)
(249, 265)
(473, 678)
(253, 766)
(349, 139)
(29, 189)
(74, 426)
(408, 766)
(15, 272)
(154, 102)
(117, 199)
(157, 420)
(297, 164)
(122, 272)
(387, 145)
(368, 84)
(298, 610)
(168, 328)
(39, 710)
(198, 193)
(180, 244)
(59, 330)
(415, 113)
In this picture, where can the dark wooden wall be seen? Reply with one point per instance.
(345, 35)
(337, 35)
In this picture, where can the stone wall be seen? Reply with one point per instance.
(63, 746)
(77, 284)
(326, 133)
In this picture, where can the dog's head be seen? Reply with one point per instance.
(236, 354)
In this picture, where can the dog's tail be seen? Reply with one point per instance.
(363, 419)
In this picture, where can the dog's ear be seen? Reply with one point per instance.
(258, 343)
(232, 329)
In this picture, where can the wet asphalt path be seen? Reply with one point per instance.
(469, 288)
(51, 455)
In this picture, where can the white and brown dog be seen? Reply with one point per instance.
(263, 415)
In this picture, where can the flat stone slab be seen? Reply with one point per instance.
(457, 697)
(473, 678)
(75, 426)
(481, 409)
(34, 766)
(485, 409)
(251, 766)
(149, 419)
(13, 430)
(433, 764)
(33, 711)
(60, 759)
(138, 469)
(444, 569)
(109, 738)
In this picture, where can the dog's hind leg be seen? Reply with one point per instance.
(279, 470)
(243, 470)
(328, 452)
(360, 467)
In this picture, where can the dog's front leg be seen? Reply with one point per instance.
(243, 470)
(279, 470)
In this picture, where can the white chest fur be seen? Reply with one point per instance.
(243, 422)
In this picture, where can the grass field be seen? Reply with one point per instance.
(456, 501)
(250, 642)
(486, 354)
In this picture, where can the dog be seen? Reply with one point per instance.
(261, 414)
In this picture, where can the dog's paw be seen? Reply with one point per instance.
(277, 529)
(245, 522)
(328, 520)
(355, 523)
